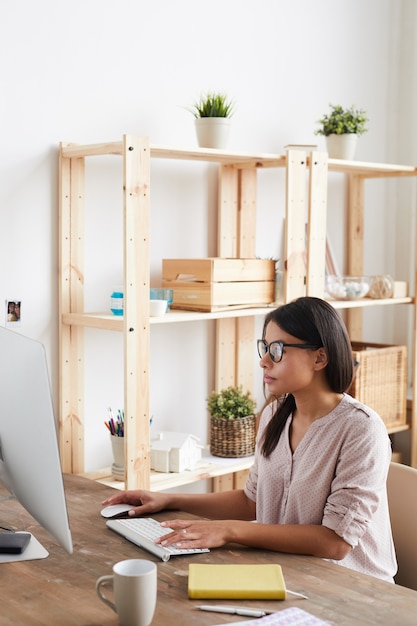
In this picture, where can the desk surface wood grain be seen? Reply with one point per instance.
(60, 590)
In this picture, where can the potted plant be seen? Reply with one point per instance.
(232, 422)
(342, 127)
(212, 114)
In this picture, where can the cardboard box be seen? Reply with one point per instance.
(214, 284)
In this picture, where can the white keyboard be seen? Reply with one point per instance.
(143, 531)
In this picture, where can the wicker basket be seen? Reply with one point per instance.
(381, 380)
(232, 437)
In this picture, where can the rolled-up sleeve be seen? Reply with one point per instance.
(359, 484)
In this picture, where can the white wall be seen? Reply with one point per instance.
(91, 70)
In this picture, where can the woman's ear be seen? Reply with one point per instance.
(321, 358)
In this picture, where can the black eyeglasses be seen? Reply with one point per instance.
(276, 348)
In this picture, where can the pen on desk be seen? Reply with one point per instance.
(234, 610)
(299, 595)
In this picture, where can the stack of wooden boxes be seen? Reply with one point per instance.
(215, 284)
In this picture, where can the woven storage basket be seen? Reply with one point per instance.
(232, 437)
(381, 380)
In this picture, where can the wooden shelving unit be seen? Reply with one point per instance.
(236, 238)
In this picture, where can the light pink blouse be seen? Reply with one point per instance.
(336, 477)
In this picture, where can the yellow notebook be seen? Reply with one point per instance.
(243, 581)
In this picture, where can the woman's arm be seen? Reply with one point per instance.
(231, 513)
(312, 540)
(222, 505)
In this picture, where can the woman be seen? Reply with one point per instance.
(318, 482)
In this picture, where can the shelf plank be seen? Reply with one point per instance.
(107, 321)
(240, 159)
(209, 467)
(101, 321)
(246, 159)
(371, 170)
(72, 151)
(220, 156)
(110, 322)
(368, 302)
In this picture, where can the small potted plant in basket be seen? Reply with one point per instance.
(232, 422)
(342, 127)
(212, 114)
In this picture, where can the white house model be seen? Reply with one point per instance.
(174, 452)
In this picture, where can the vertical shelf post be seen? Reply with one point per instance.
(355, 246)
(71, 299)
(236, 239)
(305, 250)
(136, 184)
(295, 225)
(316, 224)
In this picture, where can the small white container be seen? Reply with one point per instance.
(157, 307)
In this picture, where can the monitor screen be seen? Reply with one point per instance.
(30, 466)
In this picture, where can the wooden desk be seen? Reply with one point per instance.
(60, 590)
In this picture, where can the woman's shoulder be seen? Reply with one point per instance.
(358, 412)
(349, 403)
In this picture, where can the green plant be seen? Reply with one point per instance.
(230, 403)
(342, 121)
(213, 104)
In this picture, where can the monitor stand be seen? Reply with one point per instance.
(32, 552)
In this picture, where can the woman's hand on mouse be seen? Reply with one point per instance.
(145, 502)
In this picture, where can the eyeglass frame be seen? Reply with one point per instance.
(267, 346)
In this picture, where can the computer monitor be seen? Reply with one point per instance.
(30, 466)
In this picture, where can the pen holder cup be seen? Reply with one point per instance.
(118, 448)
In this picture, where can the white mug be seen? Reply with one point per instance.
(134, 584)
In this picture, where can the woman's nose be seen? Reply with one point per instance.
(264, 360)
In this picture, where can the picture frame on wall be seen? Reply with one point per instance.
(13, 309)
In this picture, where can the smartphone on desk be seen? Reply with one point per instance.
(13, 543)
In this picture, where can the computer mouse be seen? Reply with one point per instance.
(116, 510)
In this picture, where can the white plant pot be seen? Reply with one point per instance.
(342, 146)
(212, 132)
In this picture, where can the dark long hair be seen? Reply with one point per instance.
(313, 321)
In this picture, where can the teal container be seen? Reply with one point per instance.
(117, 301)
